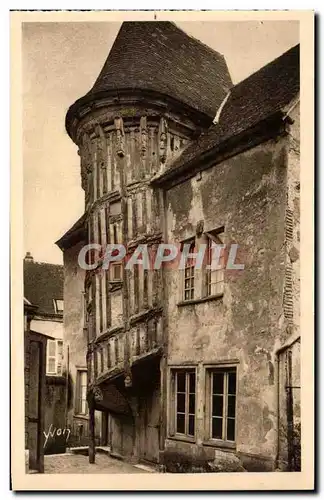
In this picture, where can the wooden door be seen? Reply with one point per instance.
(151, 435)
(36, 405)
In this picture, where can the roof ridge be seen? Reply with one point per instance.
(264, 67)
(45, 263)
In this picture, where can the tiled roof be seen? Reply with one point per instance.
(159, 56)
(43, 282)
(253, 100)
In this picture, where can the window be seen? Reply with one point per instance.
(115, 271)
(81, 393)
(58, 306)
(215, 259)
(189, 272)
(115, 208)
(184, 383)
(54, 364)
(221, 404)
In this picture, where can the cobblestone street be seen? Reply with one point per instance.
(79, 464)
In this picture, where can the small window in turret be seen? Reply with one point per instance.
(115, 208)
(115, 271)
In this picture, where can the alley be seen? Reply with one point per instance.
(79, 464)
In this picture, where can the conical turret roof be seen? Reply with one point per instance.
(158, 56)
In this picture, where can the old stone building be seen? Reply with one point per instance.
(46, 385)
(190, 368)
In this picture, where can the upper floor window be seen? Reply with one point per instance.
(115, 271)
(54, 355)
(115, 208)
(58, 306)
(215, 263)
(206, 253)
(189, 271)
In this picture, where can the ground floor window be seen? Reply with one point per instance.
(184, 402)
(221, 403)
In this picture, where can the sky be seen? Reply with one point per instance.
(61, 62)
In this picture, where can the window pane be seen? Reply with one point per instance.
(83, 407)
(59, 305)
(218, 383)
(192, 400)
(219, 288)
(217, 428)
(232, 383)
(59, 369)
(51, 348)
(181, 403)
(219, 275)
(191, 425)
(217, 406)
(180, 423)
(231, 406)
(231, 429)
(192, 382)
(181, 386)
(115, 208)
(117, 272)
(51, 365)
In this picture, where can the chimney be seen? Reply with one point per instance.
(29, 257)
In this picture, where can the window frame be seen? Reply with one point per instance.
(56, 309)
(191, 272)
(58, 361)
(172, 428)
(209, 371)
(112, 267)
(78, 393)
(214, 236)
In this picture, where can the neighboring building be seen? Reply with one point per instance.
(43, 286)
(196, 369)
(35, 388)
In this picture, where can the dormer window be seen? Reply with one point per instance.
(58, 306)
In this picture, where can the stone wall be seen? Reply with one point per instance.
(75, 341)
(246, 195)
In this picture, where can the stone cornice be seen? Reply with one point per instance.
(130, 103)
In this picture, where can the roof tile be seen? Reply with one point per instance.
(159, 56)
(251, 101)
(43, 282)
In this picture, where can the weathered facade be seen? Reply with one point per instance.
(185, 364)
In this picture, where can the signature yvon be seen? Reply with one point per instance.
(56, 431)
